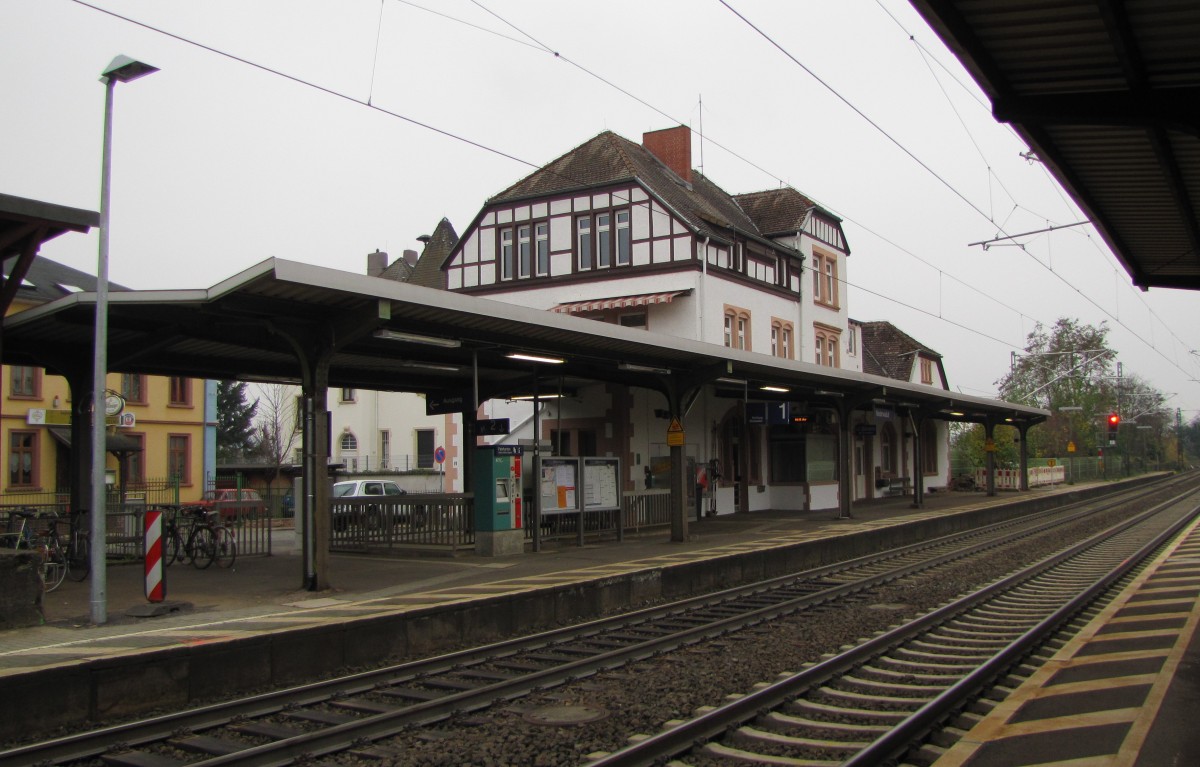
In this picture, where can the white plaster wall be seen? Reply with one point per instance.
(399, 413)
(762, 307)
(823, 496)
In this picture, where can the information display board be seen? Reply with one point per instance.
(559, 481)
(601, 484)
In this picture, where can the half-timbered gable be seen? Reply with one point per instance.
(630, 233)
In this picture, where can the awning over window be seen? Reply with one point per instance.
(115, 443)
(619, 302)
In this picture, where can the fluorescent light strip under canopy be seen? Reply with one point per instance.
(630, 367)
(414, 338)
(535, 358)
(774, 388)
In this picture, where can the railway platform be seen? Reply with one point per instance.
(251, 626)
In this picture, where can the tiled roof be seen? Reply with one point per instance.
(889, 351)
(776, 211)
(428, 271)
(608, 159)
(48, 280)
(400, 271)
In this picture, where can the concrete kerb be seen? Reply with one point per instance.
(189, 675)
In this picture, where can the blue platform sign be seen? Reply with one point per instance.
(768, 412)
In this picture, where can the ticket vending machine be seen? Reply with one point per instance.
(499, 526)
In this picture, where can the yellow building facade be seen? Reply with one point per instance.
(161, 427)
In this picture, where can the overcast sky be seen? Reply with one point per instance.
(320, 130)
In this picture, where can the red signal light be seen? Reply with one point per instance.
(1114, 419)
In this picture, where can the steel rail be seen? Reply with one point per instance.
(96, 742)
(712, 724)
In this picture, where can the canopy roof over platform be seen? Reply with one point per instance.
(1107, 94)
(26, 224)
(392, 336)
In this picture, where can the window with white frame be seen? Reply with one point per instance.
(603, 240)
(737, 327)
(542, 233)
(781, 338)
(624, 243)
(506, 254)
(824, 269)
(825, 346)
(524, 254)
(583, 242)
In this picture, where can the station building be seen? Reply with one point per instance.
(630, 234)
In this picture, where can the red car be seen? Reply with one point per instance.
(232, 502)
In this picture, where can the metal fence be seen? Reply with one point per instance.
(439, 521)
(445, 522)
(638, 510)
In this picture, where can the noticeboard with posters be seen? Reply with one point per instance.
(601, 484)
(559, 480)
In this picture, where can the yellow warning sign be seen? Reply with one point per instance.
(675, 435)
(1070, 447)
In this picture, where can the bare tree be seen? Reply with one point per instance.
(277, 426)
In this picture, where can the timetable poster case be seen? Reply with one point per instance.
(601, 484)
(559, 486)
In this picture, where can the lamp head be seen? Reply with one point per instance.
(124, 69)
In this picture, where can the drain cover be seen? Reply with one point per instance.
(562, 716)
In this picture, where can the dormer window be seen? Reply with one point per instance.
(542, 233)
(523, 251)
(623, 242)
(583, 241)
(926, 371)
(603, 240)
(506, 254)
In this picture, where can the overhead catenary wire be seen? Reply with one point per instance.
(477, 144)
(961, 196)
(490, 149)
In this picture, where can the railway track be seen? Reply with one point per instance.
(879, 702)
(350, 713)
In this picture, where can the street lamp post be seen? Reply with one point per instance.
(1071, 446)
(122, 69)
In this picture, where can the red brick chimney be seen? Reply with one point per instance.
(674, 147)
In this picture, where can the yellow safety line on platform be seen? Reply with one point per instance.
(996, 725)
(322, 610)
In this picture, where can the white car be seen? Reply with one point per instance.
(370, 514)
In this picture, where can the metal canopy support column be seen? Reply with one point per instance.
(1023, 449)
(989, 433)
(846, 459)
(314, 518)
(918, 424)
(679, 521)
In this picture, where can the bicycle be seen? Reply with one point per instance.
(199, 544)
(224, 543)
(54, 557)
(78, 549)
(44, 541)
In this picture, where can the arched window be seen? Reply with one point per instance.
(349, 443)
